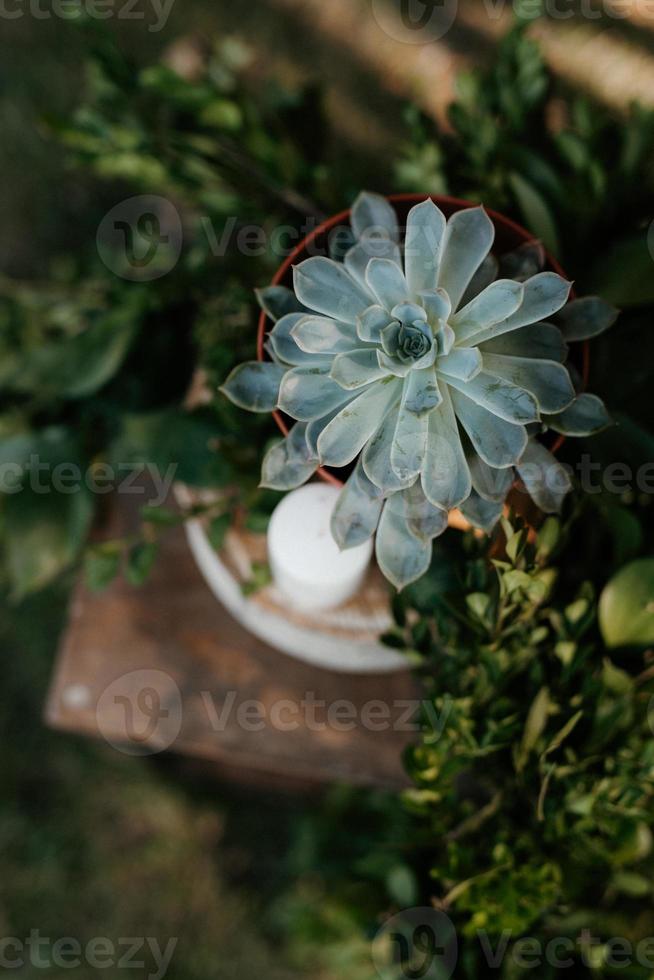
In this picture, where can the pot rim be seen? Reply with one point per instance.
(342, 217)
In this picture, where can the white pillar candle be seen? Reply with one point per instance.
(307, 565)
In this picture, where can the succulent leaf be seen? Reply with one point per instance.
(547, 381)
(277, 301)
(357, 510)
(490, 484)
(423, 519)
(544, 295)
(357, 368)
(502, 398)
(586, 416)
(421, 392)
(284, 346)
(540, 340)
(499, 443)
(308, 393)
(371, 323)
(497, 302)
(547, 481)
(376, 457)
(322, 335)
(350, 430)
(369, 247)
(402, 556)
(290, 462)
(587, 317)
(387, 283)
(372, 212)
(437, 306)
(410, 439)
(468, 240)
(482, 514)
(255, 385)
(484, 276)
(422, 249)
(463, 363)
(324, 286)
(445, 474)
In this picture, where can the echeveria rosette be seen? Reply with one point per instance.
(426, 370)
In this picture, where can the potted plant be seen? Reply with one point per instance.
(421, 371)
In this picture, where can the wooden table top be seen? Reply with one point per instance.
(165, 667)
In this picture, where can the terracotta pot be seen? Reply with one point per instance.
(508, 236)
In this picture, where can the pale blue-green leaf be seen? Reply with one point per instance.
(255, 385)
(587, 317)
(387, 283)
(497, 302)
(289, 463)
(326, 287)
(523, 262)
(540, 340)
(546, 480)
(401, 555)
(586, 416)
(410, 313)
(392, 366)
(499, 443)
(371, 323)
(463, 363)
(544, 295)
(309, 393)
(491, 484)
(437, 306)
(357, 368)
(316, 426)
(376, 457)
(421, 391)
(373, 213)
(501, 398)
(370, 247)
(445, 338)
(350, 430)
(279, 301)
(357, 511)
(468, 239)
(484, 276)
(422, 250)
(548, 381)
(423, 519)
(482, 514)
(410, 440)
(445, 474)
(322, 335)
(283, 343)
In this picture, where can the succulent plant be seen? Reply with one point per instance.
(431, 366)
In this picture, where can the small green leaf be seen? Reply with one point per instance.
(101, 566)
(626, 608)
(534, 727)
(218, 528)
(140, 561)
(537, 215)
